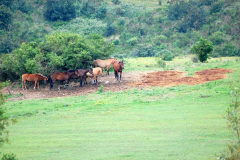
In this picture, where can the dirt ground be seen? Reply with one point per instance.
(129, 80)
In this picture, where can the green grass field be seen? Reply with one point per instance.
(181, 122)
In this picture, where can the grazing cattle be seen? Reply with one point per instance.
(104, 63)
(96, 72)
(118, 66)
(81, 73)
(33, 78)
(64, 76)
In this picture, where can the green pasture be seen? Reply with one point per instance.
(181, 122)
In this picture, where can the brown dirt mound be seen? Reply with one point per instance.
(130, 80)
(173, 78)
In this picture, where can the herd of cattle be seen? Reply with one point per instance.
(80, 74)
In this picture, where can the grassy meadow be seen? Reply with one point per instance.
(180, 122)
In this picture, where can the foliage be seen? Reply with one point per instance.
(160, 62)
(194, 59)
(188, 15)
(100, 89)
(233, 120)
(132, 41)
(203, 48)
(83, 26)
(7, 3)
(59, 10)
(116, 2)
(101, 12)
(61, 51)
(9, 157)
(166, 55)
(5, 17)
(4, 119)
(110, 29)
(145, 51)
(216, 7)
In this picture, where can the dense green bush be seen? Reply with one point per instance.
(217, 38)
(59, 10)
(166, 55)
(5, 17)
(61, 51)
(145, 51)
(188, 15)
(202, 49)
(216, 7)
(110, 29)
(132, 41)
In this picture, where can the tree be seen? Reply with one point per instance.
(202, 48)
(5, 17)
(59, 10)
(60, 51)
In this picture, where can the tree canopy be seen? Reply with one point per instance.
(60, 51)
(203, 48)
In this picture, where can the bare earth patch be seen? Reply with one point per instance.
(130, 80)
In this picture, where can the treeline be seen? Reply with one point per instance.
(60, 52)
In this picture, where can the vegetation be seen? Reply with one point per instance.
(60, 52)
(4, 122)
(203, 48)
(233, 120)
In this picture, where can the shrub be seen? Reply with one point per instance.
(216, 7)
(101, 89)
(5, 17)
(160, 62)
(132, 41)
(230, 50)
(116, 42)
(110, 29)
(166, 55)
(203, 48)
(59, 10)
(194, 59)
(101, 12)
(145, 51)
(116, 2)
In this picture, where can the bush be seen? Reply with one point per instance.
(5, 17)
(132, 41)
(217, 38)
(194, 59)
(145, 51)
(101, 12)
(61, 51)
(160, 62)
(203, 48)
(116, 2)
(230, 50)
(110, 29)
(116, 42)
(216, 7)
(166, 55)
(59, 10)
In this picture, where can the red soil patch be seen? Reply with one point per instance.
(173, 78)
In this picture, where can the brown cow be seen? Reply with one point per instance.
(118, 66)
